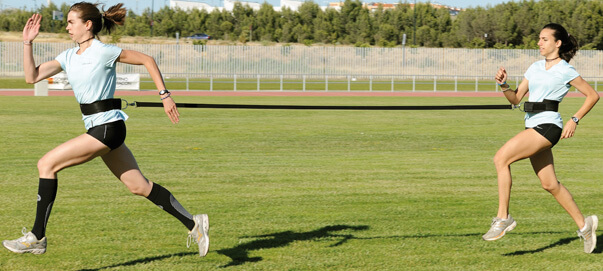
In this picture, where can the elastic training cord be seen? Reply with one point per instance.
(327, 107)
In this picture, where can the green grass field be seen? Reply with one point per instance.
(301, 190)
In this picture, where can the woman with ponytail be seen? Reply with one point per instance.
(90, 69)
(547, 81)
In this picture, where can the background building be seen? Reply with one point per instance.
(294, 5)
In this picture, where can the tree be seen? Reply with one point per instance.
(287, 23)
(137, 25)
(308, 12)
(195, 22)
(243, 21)
(506, 30)
(586, 25)
(515, 24)
(265, 21)
(348, 16)
(324, 30)
(164, 22)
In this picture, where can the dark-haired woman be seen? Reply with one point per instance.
(547, 81)
(90, 68)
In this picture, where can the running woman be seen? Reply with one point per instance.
(90, 68)
(547, 81)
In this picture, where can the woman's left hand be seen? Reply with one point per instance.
(569, 129)
(32, 28)
(169, 106)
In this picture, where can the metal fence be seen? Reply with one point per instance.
(300, 63)
(264, 82)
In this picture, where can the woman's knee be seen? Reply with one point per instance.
(500, 160)
(551, 186)
(140, 187)
(137, 189)
(46, 166)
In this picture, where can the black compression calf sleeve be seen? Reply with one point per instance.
(47, 192)
(166, 201)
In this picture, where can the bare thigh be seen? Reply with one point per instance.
(523, 145)
(122, 163)
(76, 151)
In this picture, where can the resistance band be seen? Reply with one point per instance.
(327, 107)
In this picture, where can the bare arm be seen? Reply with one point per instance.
(514, 96)
(35, 74)
(592, 97)
(138, 58)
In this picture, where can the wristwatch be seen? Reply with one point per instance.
(165, 91)
(576, 120)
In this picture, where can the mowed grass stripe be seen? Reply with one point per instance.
(300, 190)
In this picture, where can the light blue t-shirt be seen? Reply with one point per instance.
(552, 84)
(92, 77)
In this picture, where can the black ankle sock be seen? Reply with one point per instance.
(47, 192)
(164, 200)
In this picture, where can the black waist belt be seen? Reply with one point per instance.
(100, 106)
(537, 107)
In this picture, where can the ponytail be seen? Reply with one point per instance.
(568, 48)
(115, 15)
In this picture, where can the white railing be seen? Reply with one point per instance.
(354, 82)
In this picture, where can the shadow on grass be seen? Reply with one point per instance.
(445, 235)
(561, 242)
(143, 261)
(240, 254)
(599, 248)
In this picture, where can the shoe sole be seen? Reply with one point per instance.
(507, 229)
(594, 235)
(204, 244)
(37, 251)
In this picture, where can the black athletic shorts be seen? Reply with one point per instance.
(112, 134)
(550, 131)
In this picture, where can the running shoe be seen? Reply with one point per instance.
(199, 234)
(499, 228)
(588, 235)
(28, 243)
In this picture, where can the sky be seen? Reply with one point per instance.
(140, 5)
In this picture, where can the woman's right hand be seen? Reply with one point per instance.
(501, 76)
(32, 28)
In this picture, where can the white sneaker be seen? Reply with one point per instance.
(28, 243)
(199, 234)
(499, 228)
(589, 236)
